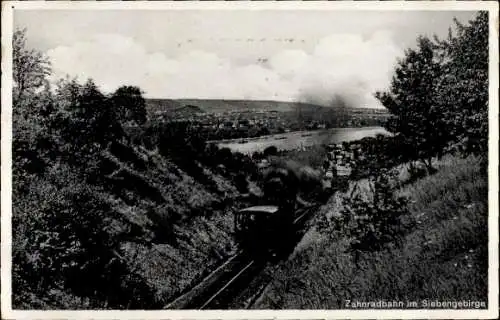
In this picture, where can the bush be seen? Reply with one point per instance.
(373, 220)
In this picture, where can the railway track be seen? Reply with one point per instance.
(231, 281)
(221, 287)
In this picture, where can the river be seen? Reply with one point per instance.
(298, 139)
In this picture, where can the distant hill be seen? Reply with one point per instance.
(255, 105)
(162, 105)
(187, 110)
(175, 106)
(189, 107)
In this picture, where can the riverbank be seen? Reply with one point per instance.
(299, 139)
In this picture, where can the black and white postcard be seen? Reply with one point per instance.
(249, 160)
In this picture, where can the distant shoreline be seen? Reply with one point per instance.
(300, 139)
(278, 135)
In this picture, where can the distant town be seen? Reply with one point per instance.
(232, 122)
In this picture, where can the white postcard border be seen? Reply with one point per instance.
(8, 8)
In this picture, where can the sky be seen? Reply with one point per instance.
(289, 55)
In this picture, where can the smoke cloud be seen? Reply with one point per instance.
(345, 66)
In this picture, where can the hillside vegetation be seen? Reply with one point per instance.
(444, 257)
(103, 218)
(415, 228)
(121, 221)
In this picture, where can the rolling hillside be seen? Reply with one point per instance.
(219, 105)
(189, 107)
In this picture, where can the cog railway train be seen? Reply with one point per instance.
(271, 227)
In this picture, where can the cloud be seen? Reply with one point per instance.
(344, 65)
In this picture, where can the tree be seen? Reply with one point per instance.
(86, 121)
(130, 104)
(32, 104)
(414, 102)
(464, 86)
(439, 94)
(30, 67)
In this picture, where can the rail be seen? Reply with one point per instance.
(184, 300)
(231, 281)
(211, 288)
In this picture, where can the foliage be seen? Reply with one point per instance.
(130, 104)
(445, 255)
(439, 94)
(414, 106)
(31, 142)
(30, 67)
(66, 236)
(185, 145)
(372, 220)
(89, 200)
(69, 235)
(85, 119)
(464, 86)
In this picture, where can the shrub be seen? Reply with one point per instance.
(373, 220)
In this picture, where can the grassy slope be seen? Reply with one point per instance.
(444, 258)
(203, 238)
(147, 189)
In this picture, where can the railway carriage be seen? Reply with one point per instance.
(263, 229)
(272, 228)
